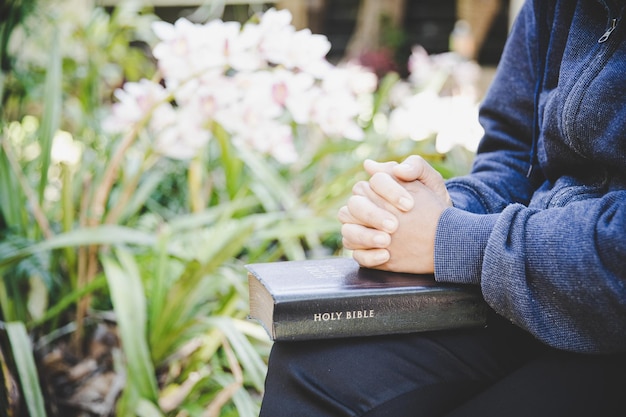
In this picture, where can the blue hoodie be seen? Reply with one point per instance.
(540, 223)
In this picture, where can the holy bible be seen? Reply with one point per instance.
(334, 297)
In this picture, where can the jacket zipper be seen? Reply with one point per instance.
(574, 97)
(608, 32)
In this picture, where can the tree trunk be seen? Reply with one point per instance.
(298, 9)
(369, 24)
(479, 14)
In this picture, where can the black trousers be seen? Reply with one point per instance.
(494, 371)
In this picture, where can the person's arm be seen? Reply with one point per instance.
(499, 172)
(558, 272)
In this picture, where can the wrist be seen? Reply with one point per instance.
(460, 241)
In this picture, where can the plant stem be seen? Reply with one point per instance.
(194, 179)
(83, 252)
(231, 165)
(102, 192)
(6, 305)
(223, 396)
(129, 188)
(68, 219)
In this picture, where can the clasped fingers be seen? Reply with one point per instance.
(362, 210)
(392, 191)
(356, 237)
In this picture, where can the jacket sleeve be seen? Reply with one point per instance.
(499, 173)
(559, 272)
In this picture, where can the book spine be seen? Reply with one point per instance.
(382, 314)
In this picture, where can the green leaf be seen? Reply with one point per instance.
(249, 358)
(25, 363)
(271, 183)
(231, 164)
(142, 194)
(71, 298)
(208, 217)
(382, 94)
(245, 404)
(12, 207)
(51, 110)
(129, 303)
(175, 317)
(101, 235)
(148, 409)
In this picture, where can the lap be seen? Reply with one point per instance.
(555, 384)
(432, 372)
(495, 371)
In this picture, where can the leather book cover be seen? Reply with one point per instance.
(334, 297)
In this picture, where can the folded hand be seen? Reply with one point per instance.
(391, 220)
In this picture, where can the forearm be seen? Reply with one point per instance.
(559, 273)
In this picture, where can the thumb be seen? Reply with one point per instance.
(415, 168)
(372, 167)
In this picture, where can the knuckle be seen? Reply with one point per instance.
(347, 244)
(379, 177)
(343, 215)
(353, 204)
(359, 188)
(361, 257)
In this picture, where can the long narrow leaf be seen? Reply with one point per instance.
(142, 193)
(12, 207)
(101, 235)
(57, 309)
(25, 363)
(148, 409)
(176, 317)
(245, 404)
(275, 185)
(129, 303)
(250, 360)
(208, 217)
(51, 110)
(296, 227)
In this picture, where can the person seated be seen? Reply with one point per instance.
(539, 224)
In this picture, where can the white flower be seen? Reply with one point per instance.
(453, 120)
(243, 52)
(270, 138)
(416, 118)
(336, 113)
(175, 53)
(255, 81)
(282, 45)
(275, 46)
(275, 20)
(179, 134)
(136, 100)
(420, 65)
(466, 131)
(296, 92)
(188, 50)
(65, 149)
(307, 52)
(256, 102)
(353, 78)
(399, 92)
(209, 94)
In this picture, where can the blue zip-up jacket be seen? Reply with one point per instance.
(540, 223)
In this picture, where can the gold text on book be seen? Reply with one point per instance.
(343, 315)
